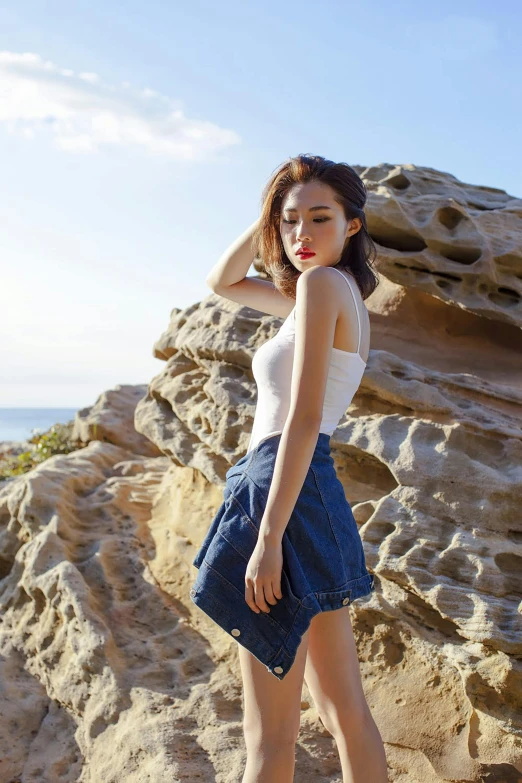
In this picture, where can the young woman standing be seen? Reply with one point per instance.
(283, 557)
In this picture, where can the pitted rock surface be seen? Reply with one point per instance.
(109, 670)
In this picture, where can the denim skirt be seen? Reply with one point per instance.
(323, 558)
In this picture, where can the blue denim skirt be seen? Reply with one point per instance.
(323, 559)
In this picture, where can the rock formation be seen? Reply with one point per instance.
(110, 673)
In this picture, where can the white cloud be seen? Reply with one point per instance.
(83, 114)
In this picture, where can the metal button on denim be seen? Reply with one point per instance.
(235, 631)
(346, 601)
(278, 669)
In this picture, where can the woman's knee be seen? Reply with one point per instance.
(346, 719)
(273, 734)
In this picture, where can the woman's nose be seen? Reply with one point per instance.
(302, 233)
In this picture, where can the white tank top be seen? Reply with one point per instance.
(272, 369)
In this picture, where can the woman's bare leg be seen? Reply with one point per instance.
(272, 712)
(333, 678)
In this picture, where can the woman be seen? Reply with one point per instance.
(284, 550)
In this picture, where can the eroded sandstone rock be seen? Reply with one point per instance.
(111, 419)
(111, 673)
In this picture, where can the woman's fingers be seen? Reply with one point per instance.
(260, 597)
(263, 576)
(270, 596)
(276, 587)
(263, 595)
(249, 596)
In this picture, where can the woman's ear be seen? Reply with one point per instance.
(355, 223)
(347, 234)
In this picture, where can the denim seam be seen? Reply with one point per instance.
(262, 494)
(348, 582)
(245, 515)
(343, 586)
(253, 453)
(221, 575)
(256, 448)
(298, 610)
(329, 518)
(245, 466)
(241, 555)
(238, 484)
(294, 597)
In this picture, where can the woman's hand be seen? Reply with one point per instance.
(263, 575)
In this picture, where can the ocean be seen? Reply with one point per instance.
(18, 423)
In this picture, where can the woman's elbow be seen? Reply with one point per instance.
(306, 420)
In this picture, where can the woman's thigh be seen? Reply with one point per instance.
(332, 670)
(272, 707)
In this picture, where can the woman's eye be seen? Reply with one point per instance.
(319, 220)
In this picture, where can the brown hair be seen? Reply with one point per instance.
(351, 193)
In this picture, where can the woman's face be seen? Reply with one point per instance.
(325, 230)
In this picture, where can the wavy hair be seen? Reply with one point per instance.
(350, 191)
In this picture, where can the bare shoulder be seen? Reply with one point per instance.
(319, 284)
(322, 277)
(327, 298)
(328, 280)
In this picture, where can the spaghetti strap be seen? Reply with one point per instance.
(356, 307)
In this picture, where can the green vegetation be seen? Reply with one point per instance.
(56, 440)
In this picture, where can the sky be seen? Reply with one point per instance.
(136, 139)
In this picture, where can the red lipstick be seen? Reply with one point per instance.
(305, 252)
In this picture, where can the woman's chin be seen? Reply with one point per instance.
(306, 263)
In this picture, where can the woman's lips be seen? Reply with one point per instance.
(306, 255)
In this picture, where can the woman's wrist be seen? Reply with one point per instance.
(235, 262)
(269, 536)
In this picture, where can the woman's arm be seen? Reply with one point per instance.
(228, 279)
(235, 262)
(317, 307)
